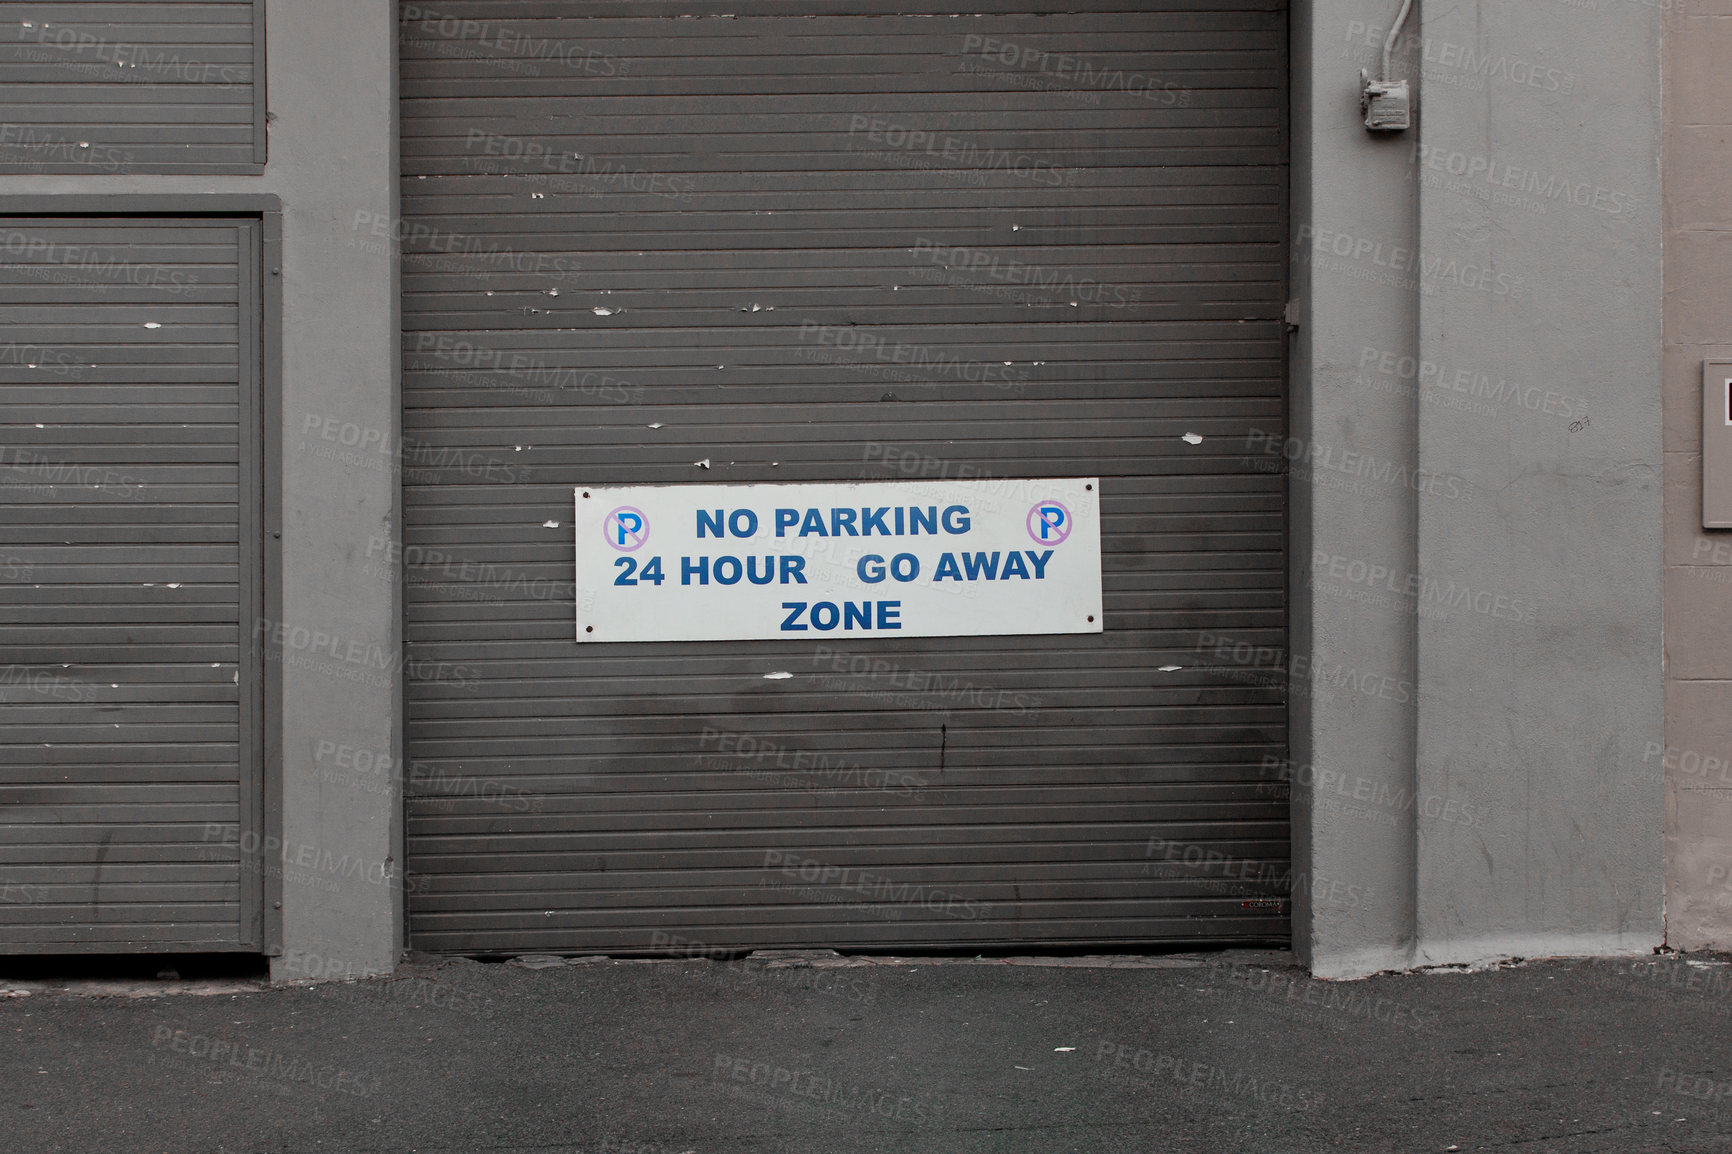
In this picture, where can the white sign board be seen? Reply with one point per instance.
(870, 559)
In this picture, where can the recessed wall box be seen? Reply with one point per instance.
(1386, 104)
(1717, 445)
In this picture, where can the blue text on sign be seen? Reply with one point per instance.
(827, 615)
(885, 521)
(728, 570)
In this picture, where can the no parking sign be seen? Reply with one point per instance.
(870, 559)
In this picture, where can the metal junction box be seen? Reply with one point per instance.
(1717, 445)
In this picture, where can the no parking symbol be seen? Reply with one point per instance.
(626, 529)
(1050, 522)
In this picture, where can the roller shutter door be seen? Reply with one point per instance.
(107, 87)
(745, 245)
(129, 570)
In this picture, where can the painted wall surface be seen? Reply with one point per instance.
(1352, 721)
(1477, 541)
(330, 76)
(1696, 758)
(1540, 679)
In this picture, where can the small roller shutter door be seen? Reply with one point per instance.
(129, 576)
(109, 87)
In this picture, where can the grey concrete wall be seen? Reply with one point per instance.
(1696, 758)
(332, 155)
(1542, 685)
(333, 143)
(1355, 221)
(1476, 544)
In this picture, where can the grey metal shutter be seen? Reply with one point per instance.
(624, 238)
(129, 577)
(104, 87)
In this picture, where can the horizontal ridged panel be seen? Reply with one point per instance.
(103, 88)
(120, 594)
(724, 202)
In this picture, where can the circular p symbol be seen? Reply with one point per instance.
(1050, 522)
(626, 529)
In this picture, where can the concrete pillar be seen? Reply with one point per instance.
(1353, 706)
(1476, 374)
(1540, 308)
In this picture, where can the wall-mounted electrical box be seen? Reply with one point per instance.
(1717, 445)
(1385, 104)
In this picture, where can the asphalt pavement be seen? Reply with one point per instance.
(813, 1053)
